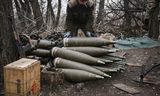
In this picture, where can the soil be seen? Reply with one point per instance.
(147, 57)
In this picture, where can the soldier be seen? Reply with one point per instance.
(80, 15)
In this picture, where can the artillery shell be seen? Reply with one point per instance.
(79, 75)
(93, 51)
(114, 59)
(75, 56)
(63, 63)
(121, 57)
(105, 60)
(43, 44)
(41, 53)
(106, 70)
(86, 41)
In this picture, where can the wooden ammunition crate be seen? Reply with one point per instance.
(22, 78)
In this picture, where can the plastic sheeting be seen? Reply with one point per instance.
(129, 43)
(141, 42)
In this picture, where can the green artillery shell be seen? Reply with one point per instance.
(111, 58)
(79, 75)
(41, 53)
(93, 51)
(75, 56)
(105, 60)
(63, 63)
(121, 57)
(86, 41)
(106, 70)
(116, 65)
(43, 44)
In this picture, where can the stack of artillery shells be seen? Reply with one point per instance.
(63, 63)
(81, 59)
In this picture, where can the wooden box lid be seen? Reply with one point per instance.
(22, 63)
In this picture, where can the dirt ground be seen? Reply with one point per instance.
(105, 87)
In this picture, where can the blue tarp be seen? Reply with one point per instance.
(133, 42)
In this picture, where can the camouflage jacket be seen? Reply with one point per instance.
(80, 14)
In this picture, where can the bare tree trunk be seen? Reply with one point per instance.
(153, 19)
(50, 17)
(37, 14)
(43, 6)
(101, 10)
(20, 13)
(8, 48)
(127, 17)
(127, 14)
(24, 15)
(23, 7)
(28, 10)
(18, 8)
(58, 13)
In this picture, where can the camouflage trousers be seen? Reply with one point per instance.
(73, 28)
